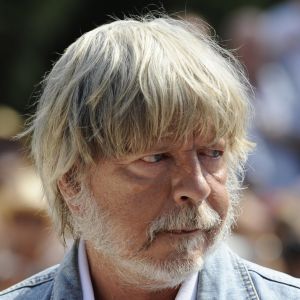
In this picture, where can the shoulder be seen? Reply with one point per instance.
(276, 284)
(38, 286)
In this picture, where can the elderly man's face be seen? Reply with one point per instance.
(162, 208)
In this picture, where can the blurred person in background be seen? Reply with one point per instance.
(269, 48)
(268, 43)
(140, 141)
(27, 245)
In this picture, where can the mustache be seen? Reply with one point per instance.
(201, 217)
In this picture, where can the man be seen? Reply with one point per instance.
(140, 139)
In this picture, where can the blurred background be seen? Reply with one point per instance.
(265, 36)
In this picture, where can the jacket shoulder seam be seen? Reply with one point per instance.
(273, 279)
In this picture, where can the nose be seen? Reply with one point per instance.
(189, 183)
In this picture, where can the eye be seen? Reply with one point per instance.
(212, 153)
(154, 158)
(215, 153)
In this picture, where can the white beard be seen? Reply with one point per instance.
(135, 269)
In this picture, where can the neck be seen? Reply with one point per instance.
(107, 283)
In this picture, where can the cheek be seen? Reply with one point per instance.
(147, 199)
(219, 197)
(133, 201)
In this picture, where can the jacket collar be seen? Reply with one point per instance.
(224, 276)
(67, 285)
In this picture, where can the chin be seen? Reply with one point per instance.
(157, 275)
(153, 273)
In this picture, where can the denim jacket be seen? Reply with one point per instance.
(224, 276)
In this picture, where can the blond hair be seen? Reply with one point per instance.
(123, 86)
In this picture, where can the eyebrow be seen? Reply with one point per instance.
(219, 143)
(161, 148)
(164, 147)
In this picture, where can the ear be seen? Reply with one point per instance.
(69, 187)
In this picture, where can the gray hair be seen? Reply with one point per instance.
(122, 87)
